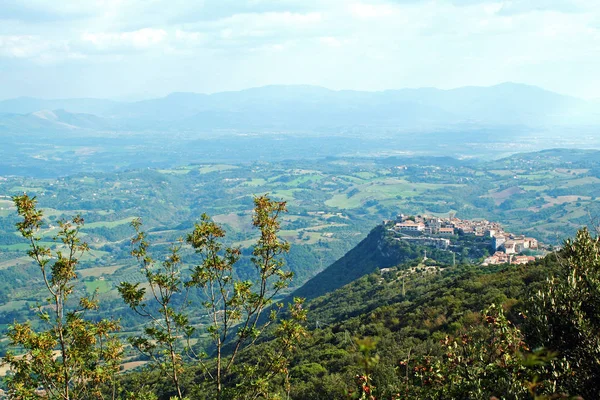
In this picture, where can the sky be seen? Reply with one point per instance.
(134, 49)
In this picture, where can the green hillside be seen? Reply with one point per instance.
(380, 250)
(403, 326)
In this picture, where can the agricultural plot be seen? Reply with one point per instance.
(108, 224)
(215, 168)
(6, 204)
(97, 272)
(99, 286)
(235, 221)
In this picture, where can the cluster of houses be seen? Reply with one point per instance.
(506, 246)
(501, 257)
(446, 226)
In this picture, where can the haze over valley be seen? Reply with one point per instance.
(288, 122)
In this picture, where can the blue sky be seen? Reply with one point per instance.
(130, 49)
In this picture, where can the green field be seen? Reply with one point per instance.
(24, 246)
(216, 168)
(284, 194)
(25, 189)
(88, 180)
(305, 178)
(109, 224)
(13, 305)
(366, 175)
(235, 221)
(256, 182)
(6, 203)
(343, 202)
(179, 171)
(98, 285)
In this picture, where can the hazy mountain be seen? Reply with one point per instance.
(52, 121)
(308, 106)
(27, 105)
(301, 108)
(504, 103)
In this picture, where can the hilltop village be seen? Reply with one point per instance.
(439, 232)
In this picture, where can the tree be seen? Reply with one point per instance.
(269, 371)
(365, 389)
(74, 356)
(490, 359)
(161, 340)
(564, 316)
(235, 307)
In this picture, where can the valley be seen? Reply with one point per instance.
(333, 204)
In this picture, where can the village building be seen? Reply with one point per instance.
(522, 259)
(497, 241)
(507, 247)
(410, 226)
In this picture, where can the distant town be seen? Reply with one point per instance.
(439, 232)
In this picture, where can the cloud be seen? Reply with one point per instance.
(35, 48)
(19, 46)
(515, 7)
(251, 31)
(365, 10)
(190, 37)
(36, 11)
(332, 41)
(267, 20)
(124, 41)
(190, 12)
(360, 44)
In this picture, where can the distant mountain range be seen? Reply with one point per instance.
(306, 108)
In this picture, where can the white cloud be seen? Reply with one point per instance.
(269, 21)
(255, 31)
(364, 10)
(139, 39)
(356, 44)
(331, 41)
(189, 36)
(35, 48)
(40, 11)
(512, 7)
(20, 46)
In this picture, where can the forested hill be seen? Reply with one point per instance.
(361, 260)
(378, 250)
(462, 332)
